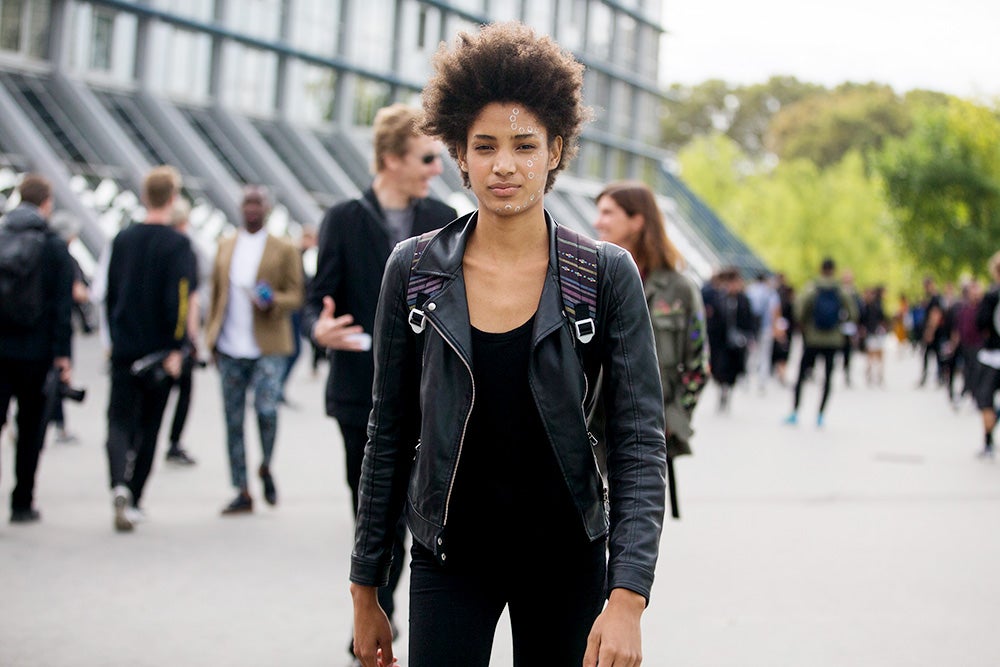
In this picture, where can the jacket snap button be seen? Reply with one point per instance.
(431, 306)
(444, 557)
(440, 541)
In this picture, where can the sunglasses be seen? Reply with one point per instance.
(430, 157)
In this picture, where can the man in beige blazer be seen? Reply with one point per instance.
(256, 284)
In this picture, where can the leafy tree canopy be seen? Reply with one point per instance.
(943, 181)
(823, 127)
(743, 113)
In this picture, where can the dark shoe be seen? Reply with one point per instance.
(30, 515)
(242, 504)
(178, 456)
(270, 493)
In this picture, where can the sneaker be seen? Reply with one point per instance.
(241, 504)
(179, 456)
(29, 515)
(792, 419)
(135, 514)
(122, 501)
(270, 493)
(985, 453)
(64, 437)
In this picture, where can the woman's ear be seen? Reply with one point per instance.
(460, 154)
(555, 152)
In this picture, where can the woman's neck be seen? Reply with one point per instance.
(511, 238)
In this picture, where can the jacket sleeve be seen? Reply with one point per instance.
(288, 294)
(177, 291)
(326, 282)
(392, 429)
(633, 403)
(694, 359)
(984, 312)
(63, 302)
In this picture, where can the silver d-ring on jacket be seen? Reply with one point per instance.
(417, 425)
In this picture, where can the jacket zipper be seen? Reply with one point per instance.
(465, 426)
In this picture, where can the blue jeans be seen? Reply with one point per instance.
(263, 375)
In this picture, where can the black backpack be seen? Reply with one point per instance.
(22, 278)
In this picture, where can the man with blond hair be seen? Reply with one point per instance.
(355, 240)
(151, 274)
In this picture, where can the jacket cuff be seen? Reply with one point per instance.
(368, 573)
(631, 577)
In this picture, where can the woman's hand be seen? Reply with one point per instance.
(372, 632)
(616, 638)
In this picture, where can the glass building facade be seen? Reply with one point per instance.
(283, 92)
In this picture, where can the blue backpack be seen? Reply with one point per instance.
(826, 309)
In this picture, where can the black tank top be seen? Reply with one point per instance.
(509, 487)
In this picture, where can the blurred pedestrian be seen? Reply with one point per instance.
(36, 289)
(67, 226)
(355, 240)
(256, 285)
(765, 304)
(735, 332)
(873, 330)
(784, 329)
(988, 373)
(628, 216)
(821, 310)
(176, 453)
(151, 274)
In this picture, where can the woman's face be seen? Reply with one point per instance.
(507, 156)
(616, 226)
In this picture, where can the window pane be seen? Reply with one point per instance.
(102, 39)
(10, 24)
(38, 41)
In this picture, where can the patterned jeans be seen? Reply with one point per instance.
(263, 375)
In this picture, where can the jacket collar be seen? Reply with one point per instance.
(25, 216)
(443, 257)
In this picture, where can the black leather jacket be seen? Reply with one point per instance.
(417, 425)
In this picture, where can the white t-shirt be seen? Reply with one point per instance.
(236, 338)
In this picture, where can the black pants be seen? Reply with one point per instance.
(355, 439)
(24, 381)
(135, 411)
(553, 596)
(809, 355)
(183, 385)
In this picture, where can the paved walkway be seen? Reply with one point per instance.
(870, 542)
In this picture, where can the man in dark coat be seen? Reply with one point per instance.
(355, 240)
(32, 343)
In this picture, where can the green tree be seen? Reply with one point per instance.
(743, 113)
(795, 214)
(822, 128)
(943, 180)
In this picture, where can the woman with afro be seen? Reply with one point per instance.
(482, 388)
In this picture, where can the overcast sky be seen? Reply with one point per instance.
(948, 45)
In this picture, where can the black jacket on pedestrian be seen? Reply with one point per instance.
(353, 247)
(418, 422)
(151, 275)
(51, 335)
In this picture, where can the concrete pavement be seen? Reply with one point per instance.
(871, 541)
